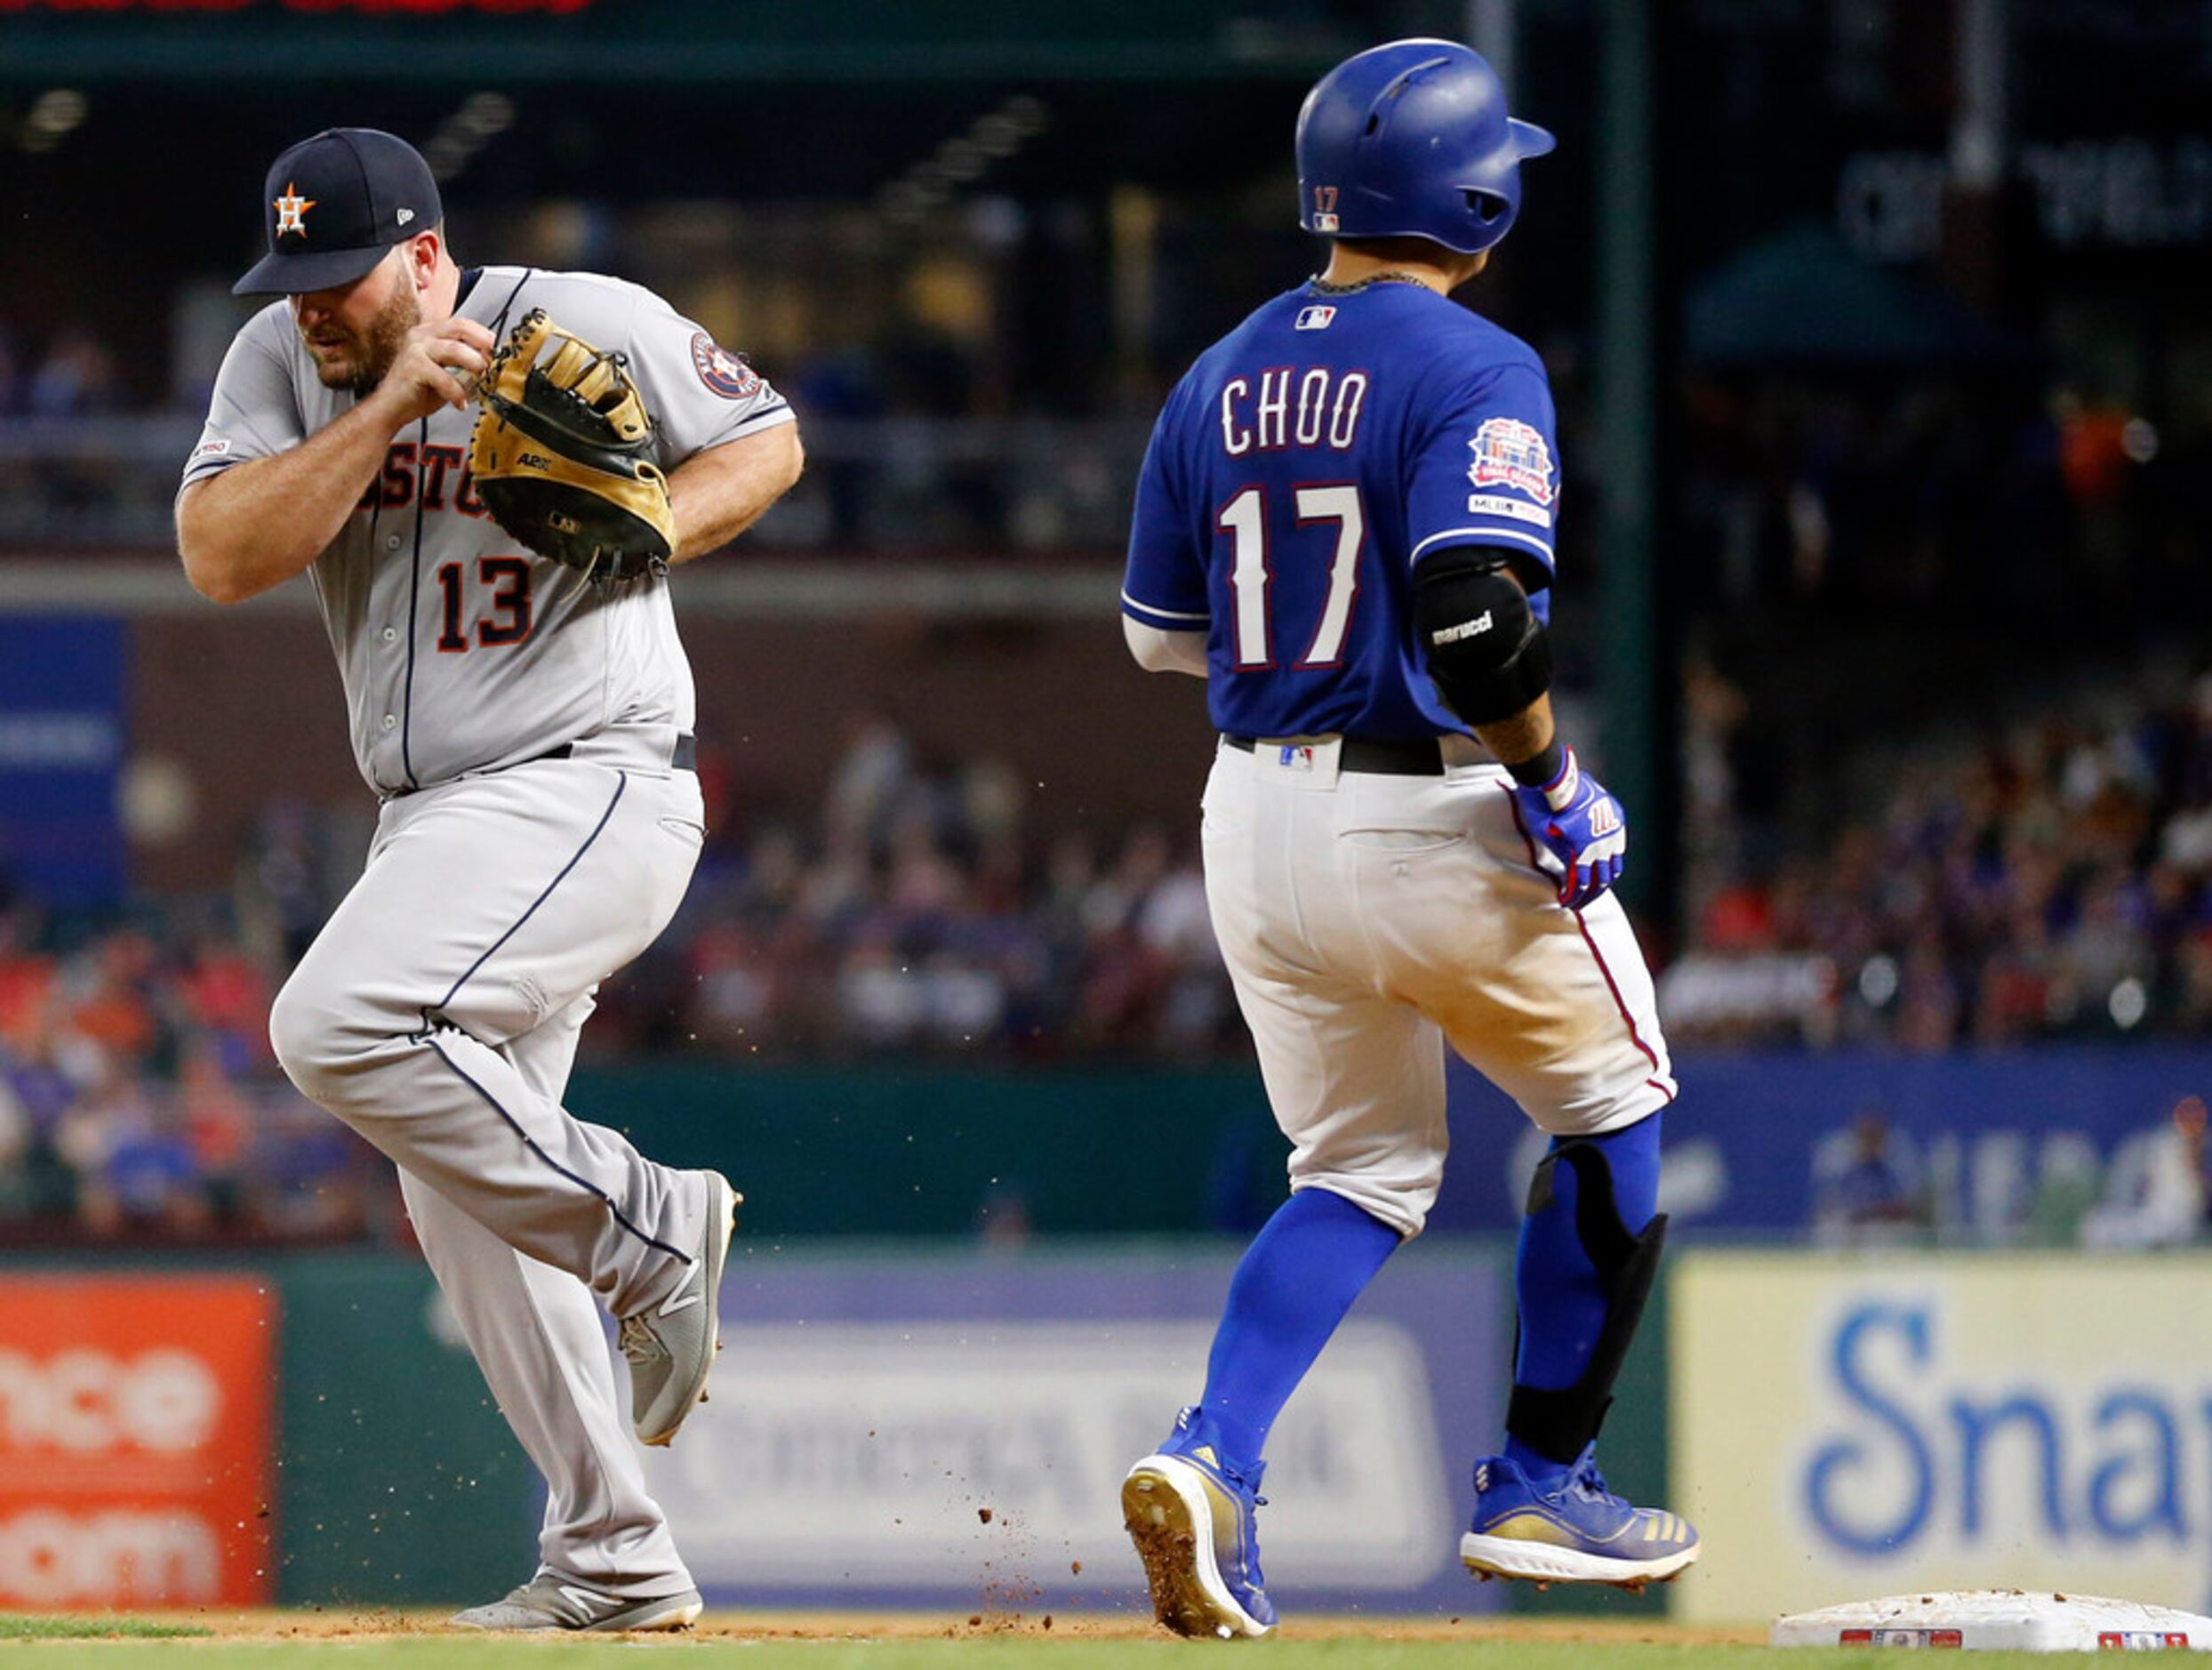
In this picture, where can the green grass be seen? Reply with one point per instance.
(29, 1626)
(1000, 1654)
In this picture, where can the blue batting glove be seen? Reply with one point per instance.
(1575, 819)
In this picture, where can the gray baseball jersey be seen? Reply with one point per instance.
(537, 833)
(462, 651)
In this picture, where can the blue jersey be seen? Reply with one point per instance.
(1299, 472)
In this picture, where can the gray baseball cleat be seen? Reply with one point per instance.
(671, 1345)
(546, 1603)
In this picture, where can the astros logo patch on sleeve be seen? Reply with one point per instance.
(1512, 454)
(721, 369)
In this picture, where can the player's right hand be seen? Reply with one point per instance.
(436, 365)
(1575, 821)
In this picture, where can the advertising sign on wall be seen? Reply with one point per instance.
(61, 749)
(1843, 1429)
(954, 1430)
(1994, 1146)
(134, 1440)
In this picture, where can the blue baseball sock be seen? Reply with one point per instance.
(1292, 1287)
(1562, 1299)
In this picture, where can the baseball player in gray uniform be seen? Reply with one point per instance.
(529, 732)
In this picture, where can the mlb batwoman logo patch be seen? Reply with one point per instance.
(1512, 454)
(722, 371)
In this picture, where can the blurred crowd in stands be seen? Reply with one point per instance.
(138, 1098)
(2050, 880)
(914, 913)
(72, 374)
(138, 1093)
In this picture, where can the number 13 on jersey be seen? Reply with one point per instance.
(508, 621)
(1328, 525)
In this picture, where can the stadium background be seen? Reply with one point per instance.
(1877, 331)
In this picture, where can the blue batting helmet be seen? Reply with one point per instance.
(1412, 140)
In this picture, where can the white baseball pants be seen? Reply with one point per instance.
(1366, 918)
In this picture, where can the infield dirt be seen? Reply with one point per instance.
(341, 1623)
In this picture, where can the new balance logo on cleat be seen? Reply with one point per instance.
(671, 1345)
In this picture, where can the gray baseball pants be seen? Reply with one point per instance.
(437, 1013)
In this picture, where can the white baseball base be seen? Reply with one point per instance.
(1998, 1619)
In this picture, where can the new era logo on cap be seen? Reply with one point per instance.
(334, 203)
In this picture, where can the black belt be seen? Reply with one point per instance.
(1403, 758)
(686, 757)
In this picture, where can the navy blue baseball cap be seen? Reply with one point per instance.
(334, 203)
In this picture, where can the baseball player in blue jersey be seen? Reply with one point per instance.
(1345, 525)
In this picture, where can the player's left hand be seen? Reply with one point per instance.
(1577, 822)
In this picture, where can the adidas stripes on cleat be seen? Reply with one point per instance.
(1191, 1515)
(1574, 1531)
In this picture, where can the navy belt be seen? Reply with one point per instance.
(1418, 757)
(684, 757)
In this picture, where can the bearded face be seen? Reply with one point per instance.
(355, 337)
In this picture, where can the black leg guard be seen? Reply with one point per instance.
(1562, 1423)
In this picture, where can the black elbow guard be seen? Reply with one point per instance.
(1488, 653)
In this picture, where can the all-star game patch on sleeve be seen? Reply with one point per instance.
(254, 411)
(1163, 585)
(1487, 473)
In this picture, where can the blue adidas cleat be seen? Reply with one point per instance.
(1577, 1531)
(1191, 1518)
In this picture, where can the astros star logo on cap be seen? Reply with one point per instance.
(291, 210)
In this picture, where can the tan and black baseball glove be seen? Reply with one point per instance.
(562, 454)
